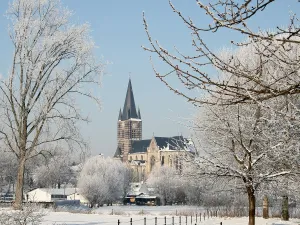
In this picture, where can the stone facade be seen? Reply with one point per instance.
(145, 155)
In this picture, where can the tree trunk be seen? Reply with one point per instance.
(251, 199)
(265, 208)
(285, 208)
(20, 184)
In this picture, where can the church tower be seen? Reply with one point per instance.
(129, 125)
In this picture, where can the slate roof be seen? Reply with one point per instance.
(140, 146)
(129, 109)
(175, 143)
(120, 115)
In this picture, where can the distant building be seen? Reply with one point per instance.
(78, 196)
(49, 194)
(144, 155)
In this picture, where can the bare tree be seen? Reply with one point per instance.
(200, 71)
(52, 65)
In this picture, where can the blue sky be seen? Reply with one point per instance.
(117, 29)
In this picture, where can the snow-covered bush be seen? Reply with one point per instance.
(27, 216)
(103, 180)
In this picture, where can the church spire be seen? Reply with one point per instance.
(129, 110)
(139, 113)
(120, 115)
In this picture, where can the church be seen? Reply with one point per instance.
(142, 155)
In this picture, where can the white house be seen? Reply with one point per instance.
(77, 196)
(49, 194)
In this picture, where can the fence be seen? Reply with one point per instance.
(177, 220)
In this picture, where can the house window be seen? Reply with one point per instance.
(58, 197)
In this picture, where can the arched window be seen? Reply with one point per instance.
(162, 160)
(142, 158)
(176, 163)
(130, 158)
(136, 158)
(152, 162)
(170, 161)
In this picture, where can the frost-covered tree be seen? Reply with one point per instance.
(166, 182)
(248, 146)
(52, 65)
(8, 171)
(54, 172)
(103, 180)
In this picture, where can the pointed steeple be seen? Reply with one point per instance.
(120, 115)
(129, 110)
(139, 114)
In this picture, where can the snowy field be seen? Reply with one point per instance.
(102, 216)
(138, 213)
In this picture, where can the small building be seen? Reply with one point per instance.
(77, 196)
(49, 194)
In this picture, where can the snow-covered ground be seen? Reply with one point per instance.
(64, 218)
(102, 216)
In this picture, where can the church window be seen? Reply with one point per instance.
(162, 160)
(170, 161)
(152, 162)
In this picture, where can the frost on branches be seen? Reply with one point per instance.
(104, 180)
(248, 146)
(52, 65)
(197, 70)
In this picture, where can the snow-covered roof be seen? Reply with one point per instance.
(138, 188)
(56, 191)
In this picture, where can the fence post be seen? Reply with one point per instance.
(130, 221)
(172, 220)
(144, 220)
(200, 217)
(196, 217)
(186, 220)
(165, 220)
(191, 219)
(155, 219)
(118, 222)
(179, 220)
(176, 212)
(203, 217)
